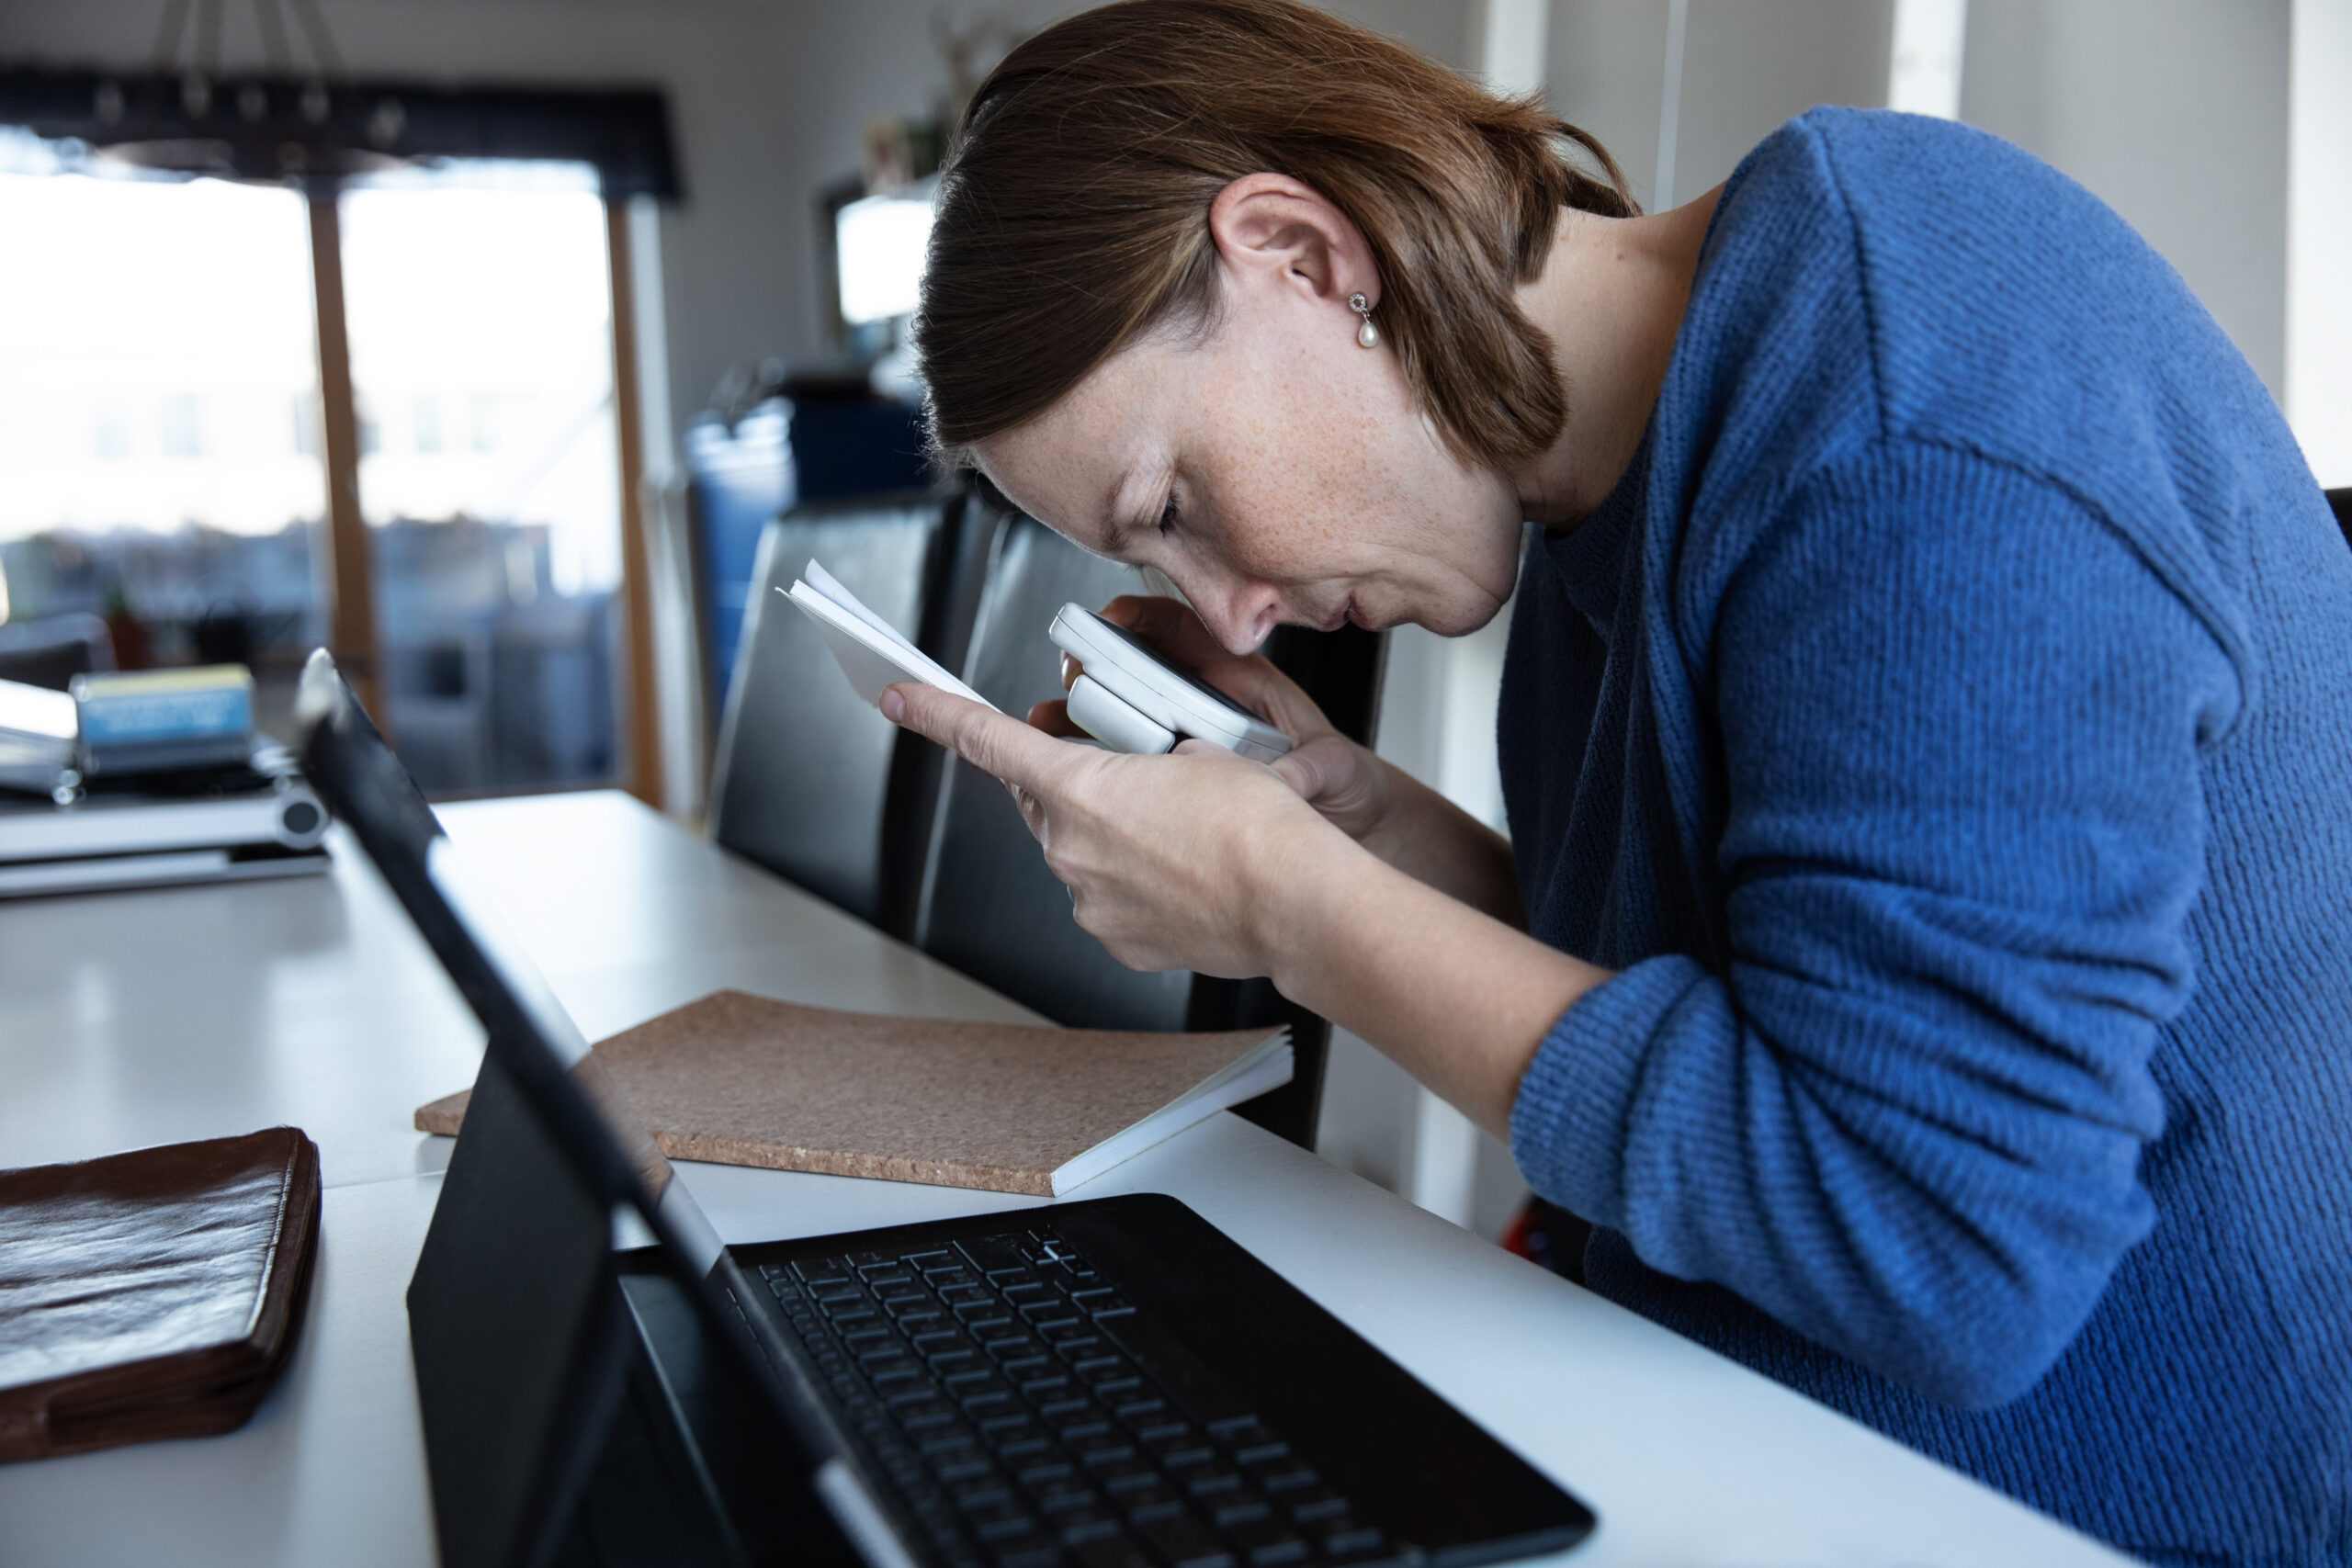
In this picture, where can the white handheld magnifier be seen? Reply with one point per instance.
(1132, 700)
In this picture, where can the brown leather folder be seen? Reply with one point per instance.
(151, 1295)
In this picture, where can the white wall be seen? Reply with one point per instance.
(1751, 64)
(1747, 65)
(1929, 36)
(2319, 239)
(2173, 112)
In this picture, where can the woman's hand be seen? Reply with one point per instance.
(1172, 862)
(1341, 779)
(1201, 860)
(1397, 818)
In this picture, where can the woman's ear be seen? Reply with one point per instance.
(1273, 231)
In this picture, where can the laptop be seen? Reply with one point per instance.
(1106, 1383)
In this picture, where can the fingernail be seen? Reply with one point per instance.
(894, 706)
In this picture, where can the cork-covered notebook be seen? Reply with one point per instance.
(738, 1079)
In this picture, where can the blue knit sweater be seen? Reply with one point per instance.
(1945, 730)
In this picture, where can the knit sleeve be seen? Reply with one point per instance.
(1960, 722)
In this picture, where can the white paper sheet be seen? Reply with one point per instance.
(871, 651)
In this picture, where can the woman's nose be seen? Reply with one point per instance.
(1240, 613)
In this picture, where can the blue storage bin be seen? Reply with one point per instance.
(739, 478)
(824, 442)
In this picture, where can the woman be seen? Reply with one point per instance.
(1921, 948)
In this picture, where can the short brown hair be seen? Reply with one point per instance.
(1073, 211)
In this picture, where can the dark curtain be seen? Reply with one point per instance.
(309, 130)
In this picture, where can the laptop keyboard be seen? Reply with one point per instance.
(992, 1381)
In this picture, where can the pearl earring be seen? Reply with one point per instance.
(1367, 335)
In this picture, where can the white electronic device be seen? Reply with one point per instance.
(1132, 700)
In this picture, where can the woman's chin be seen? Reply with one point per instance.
(1455, 619)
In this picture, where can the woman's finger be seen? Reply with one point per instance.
(1032, 809)
(1053, 718)
(996, 743)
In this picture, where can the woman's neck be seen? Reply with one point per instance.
(1611, 296)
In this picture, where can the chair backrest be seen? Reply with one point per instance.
(988, 904)
(50, 652)
(812, 782)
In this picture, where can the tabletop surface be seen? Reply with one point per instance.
(130, 1018)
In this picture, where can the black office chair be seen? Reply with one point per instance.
(990, 908)
(810, 782)
(2340, 501)
(51, 651)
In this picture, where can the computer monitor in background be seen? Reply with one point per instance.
(879, 243)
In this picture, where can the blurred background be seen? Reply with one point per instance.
(318, 326)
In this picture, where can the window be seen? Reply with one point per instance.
(177, 429)
(160, 380)
(497, 560)
(152, 336)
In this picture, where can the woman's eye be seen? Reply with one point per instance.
(1168, 516)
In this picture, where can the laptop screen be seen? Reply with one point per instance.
(348, 761)
(518, 1321)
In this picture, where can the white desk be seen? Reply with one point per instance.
(141, 1018)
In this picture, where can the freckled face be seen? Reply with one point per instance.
(1277, 472)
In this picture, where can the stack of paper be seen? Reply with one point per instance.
(871, 651)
